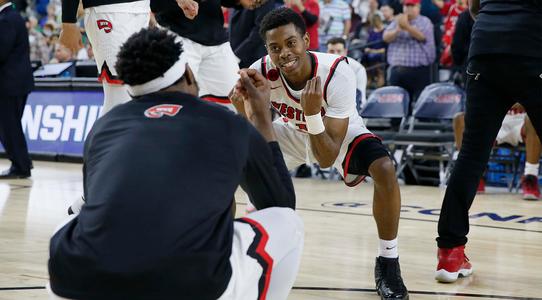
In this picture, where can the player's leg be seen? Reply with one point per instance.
(529, 180)
(459, 127)
(267, 247)
(218, 70)
(369, 157)
(107, 32)
(485, 111)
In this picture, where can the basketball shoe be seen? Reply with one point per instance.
(76, 206)
(529, 187)
(481, 186)
(389, 283)
(452, 263)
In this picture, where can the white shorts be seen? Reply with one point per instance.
(108, 27)
(215, 68)
(265, 258)
(511, 129)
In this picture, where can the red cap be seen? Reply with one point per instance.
(411, 2)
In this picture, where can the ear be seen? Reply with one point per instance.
(189, 76)
(307, 40)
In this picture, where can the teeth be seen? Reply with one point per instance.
(289, 64)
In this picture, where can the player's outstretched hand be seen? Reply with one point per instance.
(311, 97)
(70, 36)
(190, 8)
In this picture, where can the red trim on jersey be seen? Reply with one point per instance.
(315, 67)
(105, 75)
(264, 66)
(216, 99)
(261, 239)
(356, 141)
(331, 72)
(314, 72)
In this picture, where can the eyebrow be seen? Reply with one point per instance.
(287, 39)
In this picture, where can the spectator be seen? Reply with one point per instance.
(375, 52)
(387, 14)
(451, 10)
(51, 16)
(16, 84)
(62, 54)
(334, 21)
(39, 51)
(361, 9)
(338, 46)
(411, 49)
(245, 39)
(432, 11)
(396, 5)
(310, 11)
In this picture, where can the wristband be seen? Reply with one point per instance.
(315, 124)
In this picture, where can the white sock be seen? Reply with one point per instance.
(388, 249)
(531, 169)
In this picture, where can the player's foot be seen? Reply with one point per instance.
(76, 206)
(452, 263)
(529, 187)
(481, 186)
(389, 283)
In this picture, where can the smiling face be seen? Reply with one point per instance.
(287, 48)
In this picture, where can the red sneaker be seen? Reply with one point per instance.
(452, 263)
(481, 186)
(529, 187)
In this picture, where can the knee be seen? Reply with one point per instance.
(382, 171)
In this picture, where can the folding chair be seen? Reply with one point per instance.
(384, 105)
(427, 135)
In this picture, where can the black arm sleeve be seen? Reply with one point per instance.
(309, 18)
(461, 39)
(265, 178)
(69, 11)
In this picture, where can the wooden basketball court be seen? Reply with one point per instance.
(505, 244)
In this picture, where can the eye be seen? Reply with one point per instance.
(274, 49)
(291, 44)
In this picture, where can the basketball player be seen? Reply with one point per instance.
(108, 23)
(516, 128)
(338, 46)
(316, 95)
(504, 64)
(158, 222)
(205, 40)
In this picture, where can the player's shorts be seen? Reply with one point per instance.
(265, 258)
(108, 27)
(511, 131)
(355, 156)
(215, 69)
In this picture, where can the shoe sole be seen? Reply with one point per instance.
(531, 197)
(449, 277)
(384, 298)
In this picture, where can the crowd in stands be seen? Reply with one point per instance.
(362, 23)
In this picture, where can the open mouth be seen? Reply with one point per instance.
(288, 66)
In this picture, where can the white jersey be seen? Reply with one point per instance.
(361, 81)
(339, 93)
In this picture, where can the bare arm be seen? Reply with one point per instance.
(415, 33)
(391, 35)
(325, 145)
(347, 25)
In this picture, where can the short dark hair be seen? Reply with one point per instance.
(147, 55)
(336, 40)
(279, 17)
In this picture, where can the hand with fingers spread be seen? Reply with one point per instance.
(70, 37)
(311, 97)
(190, 8)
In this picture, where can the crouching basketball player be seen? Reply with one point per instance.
(316, 95)
(160, 173)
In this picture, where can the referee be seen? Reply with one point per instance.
(505, 66)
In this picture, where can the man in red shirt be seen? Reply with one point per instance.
(310, 11)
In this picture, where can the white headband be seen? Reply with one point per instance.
(168, 78)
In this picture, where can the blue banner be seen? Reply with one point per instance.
(57, 122)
